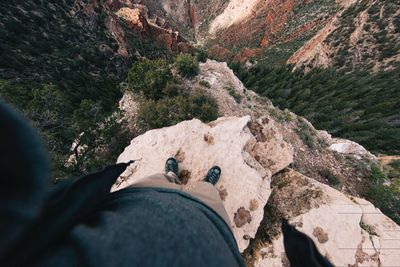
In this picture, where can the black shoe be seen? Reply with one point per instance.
(213, 175)
(171, 165)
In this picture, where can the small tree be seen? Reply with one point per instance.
(187, 65)
(202, 56)
(149, 77)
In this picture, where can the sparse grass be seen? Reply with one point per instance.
(280, 116)
(368, 228)
(306, 133)
(232, 92)
(394, 169)
(205, 83)
(331, 177)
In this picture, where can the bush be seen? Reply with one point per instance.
(395, 164)
(173, 89)
(205, 83)
(306, 133)
(187, 65)
(236, 96)
(328, 175)
(149, 77)
(383, 197)
(202, 56)
(169, 111)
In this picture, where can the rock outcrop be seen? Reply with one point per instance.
(135, 17)
(349, 231)
(247, 160)
(128, 19)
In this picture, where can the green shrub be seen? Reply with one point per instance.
(306, 133)
(238, 98)
(205, 83)
(202, 56)
(385, 198)
(368, 228)
(173, 89)
(169, 111)
(395, 164)
(331, 177)
(60, 121)
(187, 65)
(394, 169)
(149, 77)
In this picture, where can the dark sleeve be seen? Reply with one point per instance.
(24, 176)
(76, 202)
(31, 217)
(300, 249)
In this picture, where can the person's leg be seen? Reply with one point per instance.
(168, 180)
(209, 195)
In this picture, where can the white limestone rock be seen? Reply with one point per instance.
(344, 146)
(248, 153)
(349, 231)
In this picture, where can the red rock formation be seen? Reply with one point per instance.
(129, 17)
(267, 21)
(135, 18)
(247, 53)
(219, 52)
(305, 28)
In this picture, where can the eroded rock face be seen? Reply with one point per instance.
(235, 12)
(228, 142)
(347, 230)
(135, 17)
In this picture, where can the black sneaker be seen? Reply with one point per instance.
(213, 175)
(171, 165)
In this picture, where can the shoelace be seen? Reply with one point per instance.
(171, 166)
(213, 176)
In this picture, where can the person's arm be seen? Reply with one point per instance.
(300, 249)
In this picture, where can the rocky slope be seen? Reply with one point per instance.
(240, 29)
(275, 165)
(365, 35)
(304, 33)
(316, 153)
